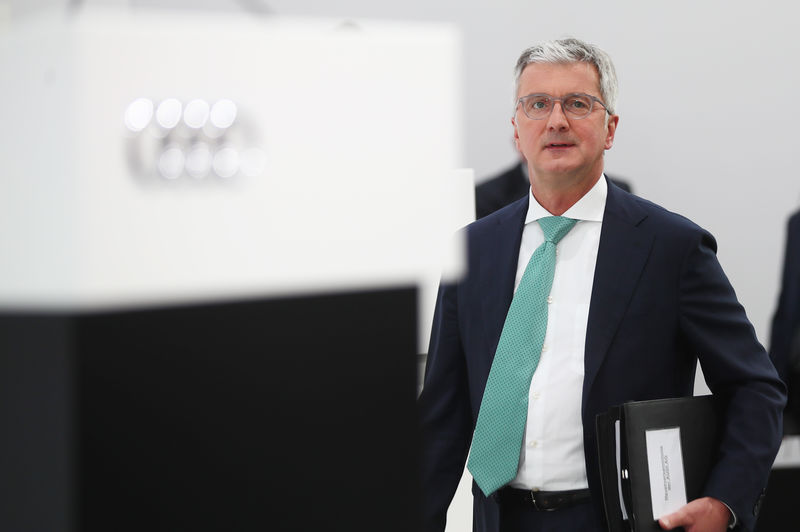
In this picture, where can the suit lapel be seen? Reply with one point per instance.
(622, 254)
(497, 270)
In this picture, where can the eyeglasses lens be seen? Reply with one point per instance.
(538, 106)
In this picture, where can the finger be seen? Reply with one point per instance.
(674, 520)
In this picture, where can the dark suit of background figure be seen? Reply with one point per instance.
(511, 185)
(659, 299)
(785, 338)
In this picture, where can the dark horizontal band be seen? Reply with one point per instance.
(543, 501)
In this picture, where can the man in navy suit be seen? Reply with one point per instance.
(637, 297)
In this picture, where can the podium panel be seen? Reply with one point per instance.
(777, 513)
(293, 413)
(213, 226)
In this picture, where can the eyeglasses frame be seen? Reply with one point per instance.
(592, 99)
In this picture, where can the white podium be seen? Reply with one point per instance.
(213, 229)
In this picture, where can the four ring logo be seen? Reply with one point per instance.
(196, 141)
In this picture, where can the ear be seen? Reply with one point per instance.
(611, 130)
(516, 134)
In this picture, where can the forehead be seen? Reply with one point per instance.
(558, 79)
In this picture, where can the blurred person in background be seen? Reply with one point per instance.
(784, 345)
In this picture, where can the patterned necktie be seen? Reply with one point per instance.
(496, 443)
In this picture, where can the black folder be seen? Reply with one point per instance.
(697, 420)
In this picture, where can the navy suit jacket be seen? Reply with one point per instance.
(660, 301)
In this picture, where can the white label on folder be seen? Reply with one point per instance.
(665, 464)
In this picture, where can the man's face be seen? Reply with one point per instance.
(562, 150)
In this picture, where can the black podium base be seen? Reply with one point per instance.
(283, 414)
(779, 510)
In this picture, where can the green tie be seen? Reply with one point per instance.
(494, 457)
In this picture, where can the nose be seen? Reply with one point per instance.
(557, 119)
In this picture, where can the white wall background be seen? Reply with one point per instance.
(709, 94)
(708, 123)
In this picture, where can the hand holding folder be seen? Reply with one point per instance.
(655, 456)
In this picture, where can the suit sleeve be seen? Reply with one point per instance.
(445, 414)
(737, 370)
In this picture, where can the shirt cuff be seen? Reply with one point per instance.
(732, 521)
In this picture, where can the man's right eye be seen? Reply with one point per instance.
(538, 104)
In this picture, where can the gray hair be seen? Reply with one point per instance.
(572, 51)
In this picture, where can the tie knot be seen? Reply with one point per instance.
(555, 227)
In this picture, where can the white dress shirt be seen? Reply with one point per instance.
(552, 455)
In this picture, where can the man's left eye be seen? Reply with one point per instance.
(577, 103)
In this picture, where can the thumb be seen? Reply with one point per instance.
(673, 520)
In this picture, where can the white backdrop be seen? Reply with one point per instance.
(707, 126)
(708, 122)
(706, 129)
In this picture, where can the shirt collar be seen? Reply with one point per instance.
(590, 207)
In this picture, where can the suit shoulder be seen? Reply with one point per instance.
(668, 226)
(661, 217)
(491, 222)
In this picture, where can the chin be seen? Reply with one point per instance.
(560, 171)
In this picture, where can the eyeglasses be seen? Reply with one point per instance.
(577, 105)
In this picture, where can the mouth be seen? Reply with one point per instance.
(558, 145)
